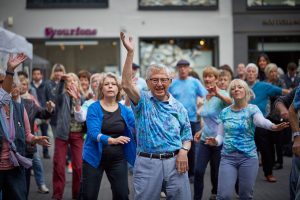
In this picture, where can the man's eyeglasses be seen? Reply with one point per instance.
(162, 80)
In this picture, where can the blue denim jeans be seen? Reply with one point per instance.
(205, 154)
(295, 179)
(233, 166)
(38, 169)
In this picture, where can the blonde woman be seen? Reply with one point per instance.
(67, 131)
(109, 144)
(236, 133)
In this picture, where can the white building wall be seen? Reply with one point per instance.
(124, 15)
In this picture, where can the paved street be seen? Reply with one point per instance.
(263, 189)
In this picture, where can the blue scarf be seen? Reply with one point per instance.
(9, 133)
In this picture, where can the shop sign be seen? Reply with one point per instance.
(280, 22)
(69, 32)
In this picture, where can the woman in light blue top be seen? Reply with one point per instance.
(214, 102)
(236, 133)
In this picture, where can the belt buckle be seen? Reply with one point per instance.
(160, 156)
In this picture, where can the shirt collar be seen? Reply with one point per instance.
(37, 84)
(171, 99)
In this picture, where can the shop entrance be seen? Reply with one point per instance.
(280, 49)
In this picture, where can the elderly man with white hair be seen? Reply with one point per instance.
(163, 134)
(263, 91)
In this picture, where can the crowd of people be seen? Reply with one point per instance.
(165, 129)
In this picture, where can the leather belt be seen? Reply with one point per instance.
(159, 155)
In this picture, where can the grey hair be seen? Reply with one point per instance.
(269, 68)
(157, 67)
(252, 65)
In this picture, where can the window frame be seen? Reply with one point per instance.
(178, 8)
(271, 7)
(43, 5)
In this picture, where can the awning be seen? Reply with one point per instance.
(13, 43)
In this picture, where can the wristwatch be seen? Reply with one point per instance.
(10, 73)
(295, 134)
(185, 148)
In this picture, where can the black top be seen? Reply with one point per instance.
(113, 125)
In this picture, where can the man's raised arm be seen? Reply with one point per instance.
(127, 83)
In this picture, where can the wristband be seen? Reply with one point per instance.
(184, 148)
(10, 73)
(295, 134)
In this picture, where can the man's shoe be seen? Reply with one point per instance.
(277, 166)
(271, 179)
(163, 194)
(46, 156)
(43, 189)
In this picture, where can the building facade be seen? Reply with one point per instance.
(266, 26)
(86, 35)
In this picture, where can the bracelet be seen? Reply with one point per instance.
(295, 134)
(184, 148)
(10, 73)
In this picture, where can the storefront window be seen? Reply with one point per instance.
(200, 52)
(280, 49)
(178, 5)
(67, 3)
(94, 55)
(273, 4)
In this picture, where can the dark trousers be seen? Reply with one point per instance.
(206, 154)
(59, 163)
(278, 142)
(195, 126)
(13, 184)
(28, 176)
(117, 175)
(264, 141)
(44, 131)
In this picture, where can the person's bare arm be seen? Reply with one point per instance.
(12, 64)
(283, 111)
(294, 122)
(182, 164)
(127, 83)
(285, 91)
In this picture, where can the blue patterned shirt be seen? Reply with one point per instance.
(239, 130)
(210, 114)
(161, 126)
(296, 101)
(5, 98)
(186, 92)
